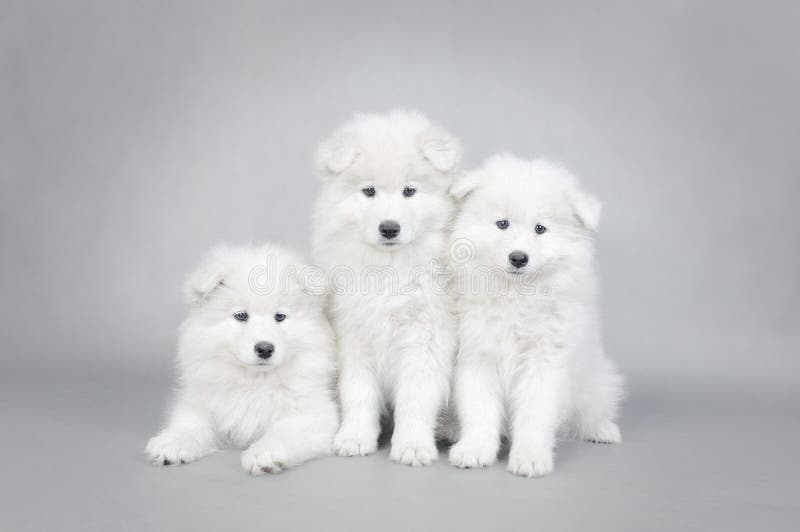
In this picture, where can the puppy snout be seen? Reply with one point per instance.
(264, 349)
(518, 259)
(389, 229)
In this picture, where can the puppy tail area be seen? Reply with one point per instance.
(447, 429)
(597, 405)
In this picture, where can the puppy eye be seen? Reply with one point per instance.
(539, 229)
(368, 191)
(409, 191)
(241, 316)
(280, 317)
(502, 224)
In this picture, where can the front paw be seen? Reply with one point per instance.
(167, 449)
(264, 457)
(354, 443)
(472, 453)
(413, 452)
(530, 461)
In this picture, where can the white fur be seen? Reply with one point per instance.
(395, 325)
(531, 359)
(281, 409)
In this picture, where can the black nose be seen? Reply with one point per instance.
(264, 349)
(518, 259)
(389, 229)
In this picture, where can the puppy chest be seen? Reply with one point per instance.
(509, 329)
(243, 416)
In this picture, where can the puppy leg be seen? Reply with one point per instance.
(597, 405)
(360, 399)
(480, 413)
(420, 392)
(188, 437)
(291, 441)
(537, 404)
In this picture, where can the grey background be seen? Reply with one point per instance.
(133, 135)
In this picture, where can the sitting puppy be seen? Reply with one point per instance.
(381, 228)
(256, 362)
(530, 345)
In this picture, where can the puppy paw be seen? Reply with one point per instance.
(530, 462)
(168, 449)
(468, 454)
(264, 457)
(604, 432)
(347, 443)
(413, 453)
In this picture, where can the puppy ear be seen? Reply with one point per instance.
(336, 154)
(465, 182)
(441, 149)
(587, 209)
(209, 276)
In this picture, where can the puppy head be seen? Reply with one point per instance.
(248, 306)
(525, 217)
(385, 180)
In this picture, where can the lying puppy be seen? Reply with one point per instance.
(530, 345)
(381, 226)
(256, 365)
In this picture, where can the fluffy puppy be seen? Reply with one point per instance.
(531, 358)
(256, 364)
(381, 226)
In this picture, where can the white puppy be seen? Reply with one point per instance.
(256, 363)
(381, 228)
(530, 346)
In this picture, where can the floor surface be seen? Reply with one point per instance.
(692, 460)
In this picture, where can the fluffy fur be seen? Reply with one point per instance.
(394, 321)
(531, 358)
(281, 409)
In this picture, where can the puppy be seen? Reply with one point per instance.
(256, 365)
(530, 346)
(381, 226)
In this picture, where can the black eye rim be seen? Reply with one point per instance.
(409, 191)
(540, 229)
(368, 191)
(502, 224)
(241, 316)
(280, 316)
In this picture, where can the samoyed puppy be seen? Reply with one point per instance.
(381, 229)
(531, 360)
(256, 364)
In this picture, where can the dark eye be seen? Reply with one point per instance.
(280, 317)
(502, 224)
(368, 191)
(240, 316)
(409, 191)
(539, 229)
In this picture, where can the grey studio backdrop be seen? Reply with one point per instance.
(134, 135)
